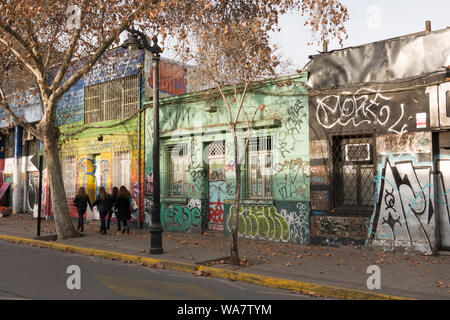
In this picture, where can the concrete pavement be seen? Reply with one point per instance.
(315, 270)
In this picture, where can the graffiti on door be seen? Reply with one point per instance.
(87, 169)
(217, 196)
(407, 204)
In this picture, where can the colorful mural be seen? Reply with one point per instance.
(108, 163)
(172, 79)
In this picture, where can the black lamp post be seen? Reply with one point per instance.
(133, 43)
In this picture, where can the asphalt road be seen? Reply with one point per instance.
(35, 273)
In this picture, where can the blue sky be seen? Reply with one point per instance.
(370, 20)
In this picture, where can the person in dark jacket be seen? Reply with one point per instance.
(103, 203)
(115, 191)
(81, 201)
(123, 206)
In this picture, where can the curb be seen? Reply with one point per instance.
(300, 287)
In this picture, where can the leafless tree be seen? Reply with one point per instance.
(58, 42)
(234, 53)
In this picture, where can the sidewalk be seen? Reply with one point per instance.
(316, 269)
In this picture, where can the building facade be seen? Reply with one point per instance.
(356, 150)
(99, 119)
(198, 167)
(379, 149)
(111, 100)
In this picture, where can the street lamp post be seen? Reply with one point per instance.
(132, 43)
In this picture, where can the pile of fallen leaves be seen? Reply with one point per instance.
(201, 273)
(244, 262)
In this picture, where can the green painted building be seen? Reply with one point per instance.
(198, 167)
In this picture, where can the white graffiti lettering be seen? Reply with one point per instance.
(358, 110)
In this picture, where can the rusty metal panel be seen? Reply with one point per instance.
(318, 149)
(339, 227)
(410, 143)
(320, 201)
(319, 175)
(444, 139)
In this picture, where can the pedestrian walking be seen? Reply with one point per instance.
(115, 191)
(103, 203)
(123, 206)
(81, 201)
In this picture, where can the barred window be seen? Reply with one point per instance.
(353, 172)
(216, 160)
(178, 170)
(68, 172)
(116, 99)
(260, 173)
(121, 169)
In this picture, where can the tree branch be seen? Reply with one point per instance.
(66, 61)
(241, 103)
(4, 104)
(32, 52)
(68, 56)
(90, 63)
(36, 72)
(227, 104)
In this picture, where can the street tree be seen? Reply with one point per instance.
(235, 53)
(58, 42)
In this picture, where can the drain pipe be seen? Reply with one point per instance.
(25, 175)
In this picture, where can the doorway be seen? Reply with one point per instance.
(216, 184)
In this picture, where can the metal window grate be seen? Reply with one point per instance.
(353, 172)
(216, 148)
(68, 172)
(260, 144)
(216, 161)
(260, 174)
(116, 99)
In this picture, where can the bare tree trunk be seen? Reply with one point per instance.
(234, 256)
(63, 223)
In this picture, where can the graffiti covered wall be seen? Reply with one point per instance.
(395, 127)
(183, 217)
(108, 163)
(102, 157)
(281, 222)
(198, 121)
(412, 198)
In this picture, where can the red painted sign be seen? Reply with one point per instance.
(172, 79)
